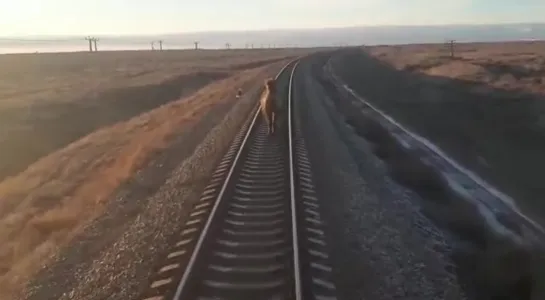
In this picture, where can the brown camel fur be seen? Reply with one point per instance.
(268, 104)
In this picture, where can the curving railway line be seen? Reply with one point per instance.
(256, 232)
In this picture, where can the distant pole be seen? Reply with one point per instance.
(90, 40)
(196, 45)
(152, 45)
(228, 46)
(160, 45)
(451, 46)
(95, 42)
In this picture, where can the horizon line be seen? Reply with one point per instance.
(273, 29)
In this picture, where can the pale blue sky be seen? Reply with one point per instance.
(22, 17)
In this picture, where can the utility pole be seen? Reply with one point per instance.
(95, 42)
(90, 43)
(451, 46)
(228, 46)
(160, 45)
(196, 45)
(152, 45)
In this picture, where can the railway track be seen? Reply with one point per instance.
(256, 232)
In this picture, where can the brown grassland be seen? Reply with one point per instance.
(509, 66)
(75, 126)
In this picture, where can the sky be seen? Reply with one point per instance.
(76, 17)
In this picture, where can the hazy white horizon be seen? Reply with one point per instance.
(144, 17)
(257, 31)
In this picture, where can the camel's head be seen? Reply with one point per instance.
(270, 84)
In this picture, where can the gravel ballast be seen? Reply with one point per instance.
(382, 246)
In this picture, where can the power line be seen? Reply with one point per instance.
(451, 47)
(160, 42)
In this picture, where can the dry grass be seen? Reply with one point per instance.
(43, 207)
(61, 77)
(510, 66)
(50, 100)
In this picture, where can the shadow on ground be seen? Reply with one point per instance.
(497, 133)
(462, 119)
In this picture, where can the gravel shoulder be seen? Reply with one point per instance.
(382, 246)
(115, 255)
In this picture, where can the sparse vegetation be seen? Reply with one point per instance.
(506, 66)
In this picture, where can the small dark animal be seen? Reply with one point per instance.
(268, 104)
